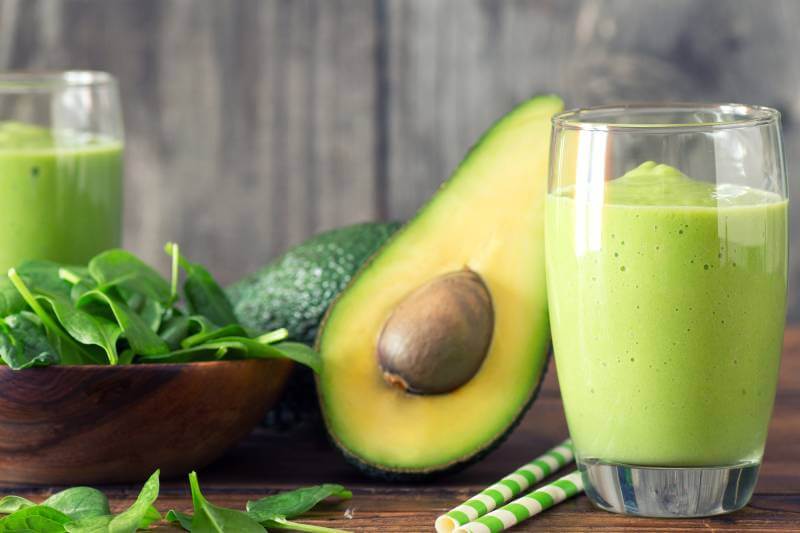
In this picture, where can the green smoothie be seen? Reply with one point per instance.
(667, 305)
(60, 194)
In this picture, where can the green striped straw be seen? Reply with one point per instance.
(527, 506)
(507, 488)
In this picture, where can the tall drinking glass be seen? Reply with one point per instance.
(666, 251)
(60, 166)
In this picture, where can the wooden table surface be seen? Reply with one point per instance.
(266, 462)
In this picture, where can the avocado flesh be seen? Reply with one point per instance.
(488, 217)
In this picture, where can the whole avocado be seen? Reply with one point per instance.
(295, 291)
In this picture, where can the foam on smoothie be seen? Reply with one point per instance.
(652, 183)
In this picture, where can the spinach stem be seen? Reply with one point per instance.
(273, 336)
(69, 276)
(176, 255)
(282, 523)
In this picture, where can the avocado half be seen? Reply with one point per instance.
(439, 344)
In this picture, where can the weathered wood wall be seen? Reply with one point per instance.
(255, 123)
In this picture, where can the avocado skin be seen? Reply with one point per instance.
(295, 291)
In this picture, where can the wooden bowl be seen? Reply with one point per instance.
(97, 424)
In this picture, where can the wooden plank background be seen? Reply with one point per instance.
(252, 124)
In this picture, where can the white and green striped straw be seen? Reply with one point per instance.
(527, 506)
(507, 488)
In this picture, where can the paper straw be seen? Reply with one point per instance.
(507, 488)
(529, 505)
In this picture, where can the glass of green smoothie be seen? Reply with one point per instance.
(60, 166)
(666, 252)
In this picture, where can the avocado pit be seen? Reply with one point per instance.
(437, 337)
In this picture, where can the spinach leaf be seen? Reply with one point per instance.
(280, 522)
(299, 353)
(79, 503)
(91, 524)
(209, 518)
(184, 519)
(71, 352)
(11, 504)
(34, 519)
(126, 356)
(141, 338)
(131, 519)
(39, 274)
(23, 342)
(202, 337)
(176, 329)
(10, 300)
(239, 348)
(84, 327)
(203, 294)
(121, 268)
(150, 310)
(295, 502)
(44, 275)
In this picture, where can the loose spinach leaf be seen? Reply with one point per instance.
(84, 327)
(121, 268)
(294, 503)
(24, 343)
(203, 294)
(79, 503)
(71, 352)
(150, 517)
(209, 518)
(92, 524)
(141, 338)
(35, 519)
(11, 504)
(282, 523)
(183, 519)
(131, 519)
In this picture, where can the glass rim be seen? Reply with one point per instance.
(596, 118)
(44, 81)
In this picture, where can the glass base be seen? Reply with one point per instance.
(668, 492)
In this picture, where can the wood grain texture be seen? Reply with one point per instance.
(93, 424)
(255, 123)
(267, 461)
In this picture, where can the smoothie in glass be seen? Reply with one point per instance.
(60, 194)
(667, 302)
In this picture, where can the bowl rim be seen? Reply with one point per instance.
(154, 366)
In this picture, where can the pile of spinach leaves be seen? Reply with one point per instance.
(86, 510)
(119, 310)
